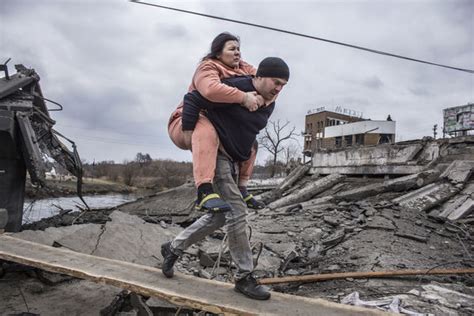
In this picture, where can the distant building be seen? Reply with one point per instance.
(458, 120)
(359, 134)
(343, 128)
(315, 124)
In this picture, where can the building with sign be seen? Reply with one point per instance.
(458, 120)
(343, 128)
(359, 134)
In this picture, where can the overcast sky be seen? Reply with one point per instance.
(121, 68)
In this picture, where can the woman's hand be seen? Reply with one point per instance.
(252, 101)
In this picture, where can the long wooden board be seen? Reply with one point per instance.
(182, 290)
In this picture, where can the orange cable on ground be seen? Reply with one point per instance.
(355, 275)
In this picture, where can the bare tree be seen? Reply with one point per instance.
(143, 159)
(273, 137)
(129, 172)
(291, 153)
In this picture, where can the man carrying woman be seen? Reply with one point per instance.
(237, 128)
(223, 61)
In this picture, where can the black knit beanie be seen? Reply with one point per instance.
(274, 67)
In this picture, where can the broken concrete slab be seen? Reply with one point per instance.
(49, 235)
(307, 205)
(331, 220)
(293, 177)
(281, 249)
(211, 246)
(381, 159)
(277, 229)
(50, 278)
(268, 262)
(286, 184)
(399, 184)
(458, 171)
(367, 156)
(427, 197)
(459, 206)
(31, 296)
(126, 237)
(85, 240)
(277, 243)
(449, 298)
(308, 191)
(334, 239)
(463, 211)
(159, 307)
(401, 158)
(370, 170)
(311, 234)
(175, 205)
(379, 222)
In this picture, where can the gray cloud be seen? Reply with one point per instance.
(420, 92)
(373, 82)
(120, 68)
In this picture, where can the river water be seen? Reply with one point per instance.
(35, 210)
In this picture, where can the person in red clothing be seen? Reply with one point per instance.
(223, 61)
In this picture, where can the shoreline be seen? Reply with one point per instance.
(66, 188)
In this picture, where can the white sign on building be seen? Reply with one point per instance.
(362, 127)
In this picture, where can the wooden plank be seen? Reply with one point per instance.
(182, 290)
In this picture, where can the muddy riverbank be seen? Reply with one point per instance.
(63, 188)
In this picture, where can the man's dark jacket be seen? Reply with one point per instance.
(236, 126)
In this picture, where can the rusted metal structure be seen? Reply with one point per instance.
(26, 137)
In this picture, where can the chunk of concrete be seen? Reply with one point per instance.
(427, 197)
(175, 205)
(49, 235)
(459, 205)
(161, 305)
(268, 262)
(69, 298)
(459, 171)
(463, 211)
(367, 156)
(308, 191)
(399, 184)
(126, 238)
(312, 234)
(379, 222)
(444, 296)
(281, 249)
(310, 204)
(84, 240)
(293, 177)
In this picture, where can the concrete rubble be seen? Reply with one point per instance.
(344, 223)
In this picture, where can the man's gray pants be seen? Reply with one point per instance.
(235, 221)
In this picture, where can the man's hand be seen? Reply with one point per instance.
(260, 100)
(252, 101)
(187, 135)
